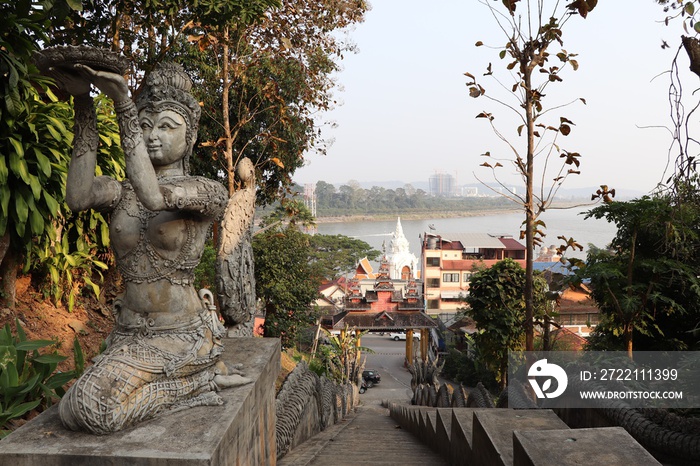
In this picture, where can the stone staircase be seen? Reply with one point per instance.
(367, 436)
(401, 433)
(501, 436)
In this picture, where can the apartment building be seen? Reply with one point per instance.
(449, 260)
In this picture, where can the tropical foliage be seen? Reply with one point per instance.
(647, 283)
(28, 378)
(36, 144)
(342, 356)
(496, 302)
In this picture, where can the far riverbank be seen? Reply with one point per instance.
(439, 215)
(411, 216)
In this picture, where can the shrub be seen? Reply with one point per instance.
(28, 379)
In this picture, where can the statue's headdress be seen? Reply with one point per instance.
(168, 87)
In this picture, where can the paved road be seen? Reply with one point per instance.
(388, 359)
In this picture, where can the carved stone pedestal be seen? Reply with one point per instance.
(240, 432)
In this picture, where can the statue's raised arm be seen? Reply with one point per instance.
(83, 189)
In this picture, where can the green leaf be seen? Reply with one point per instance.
(5, 196)
(36, 221)
(19, 166)
(31, 345)
(95, 287)
(22, 210)
(59, 379)
(3, 171)
(31, 383)
(43, 162)
(22, 409)
(689, 8)
(21, 335)
(35, 184)
(51, 203)
(17, 145)
(76, 5)
(104, 234)
(697, 27)
(55, 134)
(78, 357)
(12, 376)
(50, 358)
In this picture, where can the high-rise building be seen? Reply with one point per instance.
(442, 184)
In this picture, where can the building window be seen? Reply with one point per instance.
(433, 283)
(467, 277)
(433, 304)
(450, 277)
(432, 261)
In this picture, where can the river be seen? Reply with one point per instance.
(560, 222)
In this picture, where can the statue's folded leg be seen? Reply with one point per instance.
(113, 395)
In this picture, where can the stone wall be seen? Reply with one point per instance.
(307, 404)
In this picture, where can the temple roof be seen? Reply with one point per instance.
(384, 320)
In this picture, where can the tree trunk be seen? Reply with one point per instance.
(226, 83)
(546, 334)
(692, 48)
(529, 211)
(628, 341)
(8, 276)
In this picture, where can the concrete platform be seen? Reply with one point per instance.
(241, 432)
(600, 445)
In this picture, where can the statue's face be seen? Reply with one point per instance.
(165, 134)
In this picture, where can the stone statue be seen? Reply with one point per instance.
(234, 265)
(164, 352)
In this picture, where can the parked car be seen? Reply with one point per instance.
(396, 336)
(371, 377)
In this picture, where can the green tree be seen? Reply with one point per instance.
(279, 82)
(496, 302)
(262, 70)
(535, 60)
(647, 283)
(335, 255)
(285, 282)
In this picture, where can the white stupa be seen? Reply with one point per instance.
(403, 264)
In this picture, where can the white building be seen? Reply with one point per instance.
(403, 264)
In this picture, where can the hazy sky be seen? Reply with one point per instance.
(406, 114)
